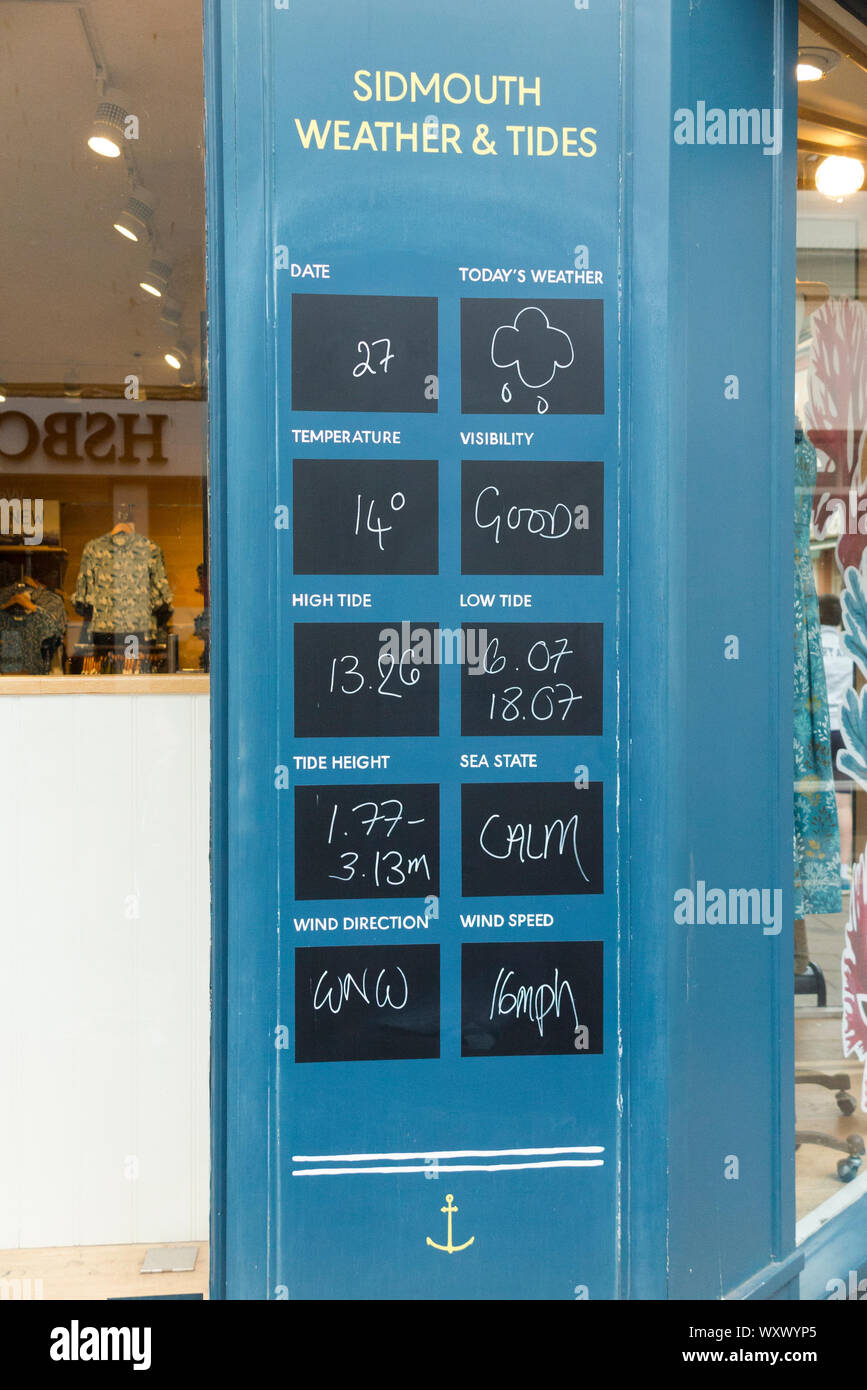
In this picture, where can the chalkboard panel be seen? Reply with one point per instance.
(366, 1003)
(532, 357)
(364, 516)
(375, 841)
(360, 679)
(364, 352)
(531, 999)
(530, 838)
(531, 679)
(523, 517)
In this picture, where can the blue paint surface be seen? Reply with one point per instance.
(695, 249)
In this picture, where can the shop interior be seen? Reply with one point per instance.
(104, 643)
(830, 396)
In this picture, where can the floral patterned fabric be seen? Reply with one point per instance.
(817, 836)
(123, 581)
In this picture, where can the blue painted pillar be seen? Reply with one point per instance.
(646, 1150)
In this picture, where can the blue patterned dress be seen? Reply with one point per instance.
(817, 836)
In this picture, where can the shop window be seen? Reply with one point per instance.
(104, 595)
(830, 650)
(103, 370)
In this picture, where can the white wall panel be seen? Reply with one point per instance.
(104, 924)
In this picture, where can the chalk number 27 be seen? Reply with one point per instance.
(364, 349)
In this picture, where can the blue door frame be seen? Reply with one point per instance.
(701, 1096)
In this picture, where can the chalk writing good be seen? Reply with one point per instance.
(530, 838)
(370, 841)
(354, 680)
(366, 1003)
(532, 357)
(364, 352)
(531, 999)
(527, 679)
(364, 516)
(530, 517)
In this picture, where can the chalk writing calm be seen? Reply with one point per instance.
(524, 841)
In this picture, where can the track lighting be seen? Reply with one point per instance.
(838, 176)
(107, 130)
(170, 313)
(156, 279)
(134, 221)
(816, 63)
(178, 356)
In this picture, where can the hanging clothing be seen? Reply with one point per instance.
(122, 584)
(28, 641)
(817, 835)
(44, 598)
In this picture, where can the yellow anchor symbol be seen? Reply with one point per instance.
(449, 1248)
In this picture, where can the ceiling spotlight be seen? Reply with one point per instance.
(156, 279)
(170, 313)
(816, 63)
(178, 356)
(72, 384)
(3, 390)
(134, 221)
(838, 176)
(107, 130)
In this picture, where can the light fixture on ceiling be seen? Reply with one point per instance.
(156, 278)
(3, 390)
(838, 176)
(178, 356)
(72, 384)
(187, 374)
(107, 130)
(170, 313)
(816, 63)
(134, 220)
